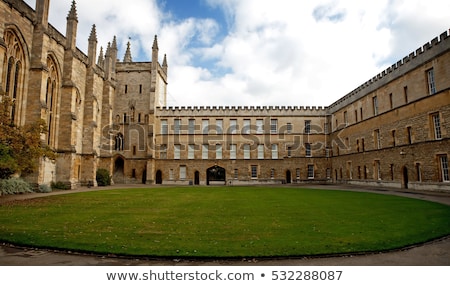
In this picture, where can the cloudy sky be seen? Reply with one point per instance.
(261, 52)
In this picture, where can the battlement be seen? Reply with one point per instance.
(242, 110)
(416, 58)
(133, 66)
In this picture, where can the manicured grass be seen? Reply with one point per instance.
(223, 222)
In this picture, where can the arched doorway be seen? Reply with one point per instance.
(158, 179)
(197, 178)
(215, 174)
(119, 166)
(288, 177)
(405, 177)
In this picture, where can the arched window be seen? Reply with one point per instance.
(51, 97)
(14, 69)
(118, 146)
(12, 84)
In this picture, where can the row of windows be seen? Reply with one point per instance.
(363, 171)
(131, 118)
(233, 128)
(435, 123)
(205, 148)
(14, 74)
(254, 173)
(431, 88)
(360, 144)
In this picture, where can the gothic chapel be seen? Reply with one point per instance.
(77, 95)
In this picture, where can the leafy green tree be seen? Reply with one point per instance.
(20, 146)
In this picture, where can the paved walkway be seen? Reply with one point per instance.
(435, 253)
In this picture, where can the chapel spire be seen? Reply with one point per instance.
(164, 64)
(155, 43)
(92, 49)
(72, 26)
(114, 44)
(155, 50)
(73, 12)
(127, 58)
(93, 35)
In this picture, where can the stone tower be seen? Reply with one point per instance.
(141, 87)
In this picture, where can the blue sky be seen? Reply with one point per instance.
(193, 9)
(179, 11)
(261, 52)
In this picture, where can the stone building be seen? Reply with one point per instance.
(49, 78)
(103, 112)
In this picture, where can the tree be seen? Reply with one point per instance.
(20, 146)
(7, 163)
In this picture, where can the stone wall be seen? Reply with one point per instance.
(401, 138)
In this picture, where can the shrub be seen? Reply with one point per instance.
(60, 185)
(44, 189)
(103, 177)
(14, 186)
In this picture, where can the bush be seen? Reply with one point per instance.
(60, 185)
(103, 177)
(14, 186)
(44, 189)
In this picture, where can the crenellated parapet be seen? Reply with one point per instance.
(415, 59)
(133, 66)
(242, 110)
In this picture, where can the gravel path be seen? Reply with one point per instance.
(434, 253)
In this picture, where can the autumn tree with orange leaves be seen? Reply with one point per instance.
(20, 146)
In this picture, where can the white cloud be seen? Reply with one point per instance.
(413, 23)
(273, 53)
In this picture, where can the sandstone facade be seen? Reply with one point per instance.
(104, 112)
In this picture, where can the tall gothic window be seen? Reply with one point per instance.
(51, 97)
(119, 142)
(14, 68)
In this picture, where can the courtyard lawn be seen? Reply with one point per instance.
(222, 222)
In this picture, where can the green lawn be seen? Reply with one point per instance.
(222, 222)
